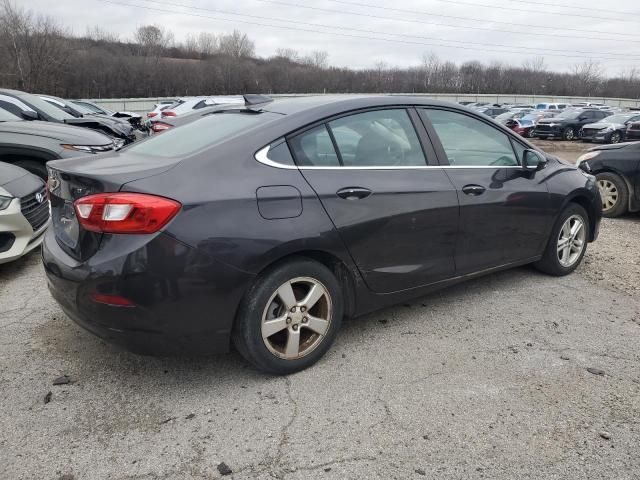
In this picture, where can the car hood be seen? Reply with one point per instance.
(10, 173)
(546, 121)
(118, 127)
(602, 125)
(57, 131)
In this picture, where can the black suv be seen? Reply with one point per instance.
(567, 124)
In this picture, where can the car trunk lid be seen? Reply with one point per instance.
(72, 179)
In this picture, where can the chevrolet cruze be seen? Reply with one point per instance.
(264, 225)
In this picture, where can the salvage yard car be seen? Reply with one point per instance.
(617, 170)
(32, 107)
(24, 212)
(567, 125)
(267, 224)
(611, 129)
(31, 145)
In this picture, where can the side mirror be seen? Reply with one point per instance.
(29, 115)
(532, 160)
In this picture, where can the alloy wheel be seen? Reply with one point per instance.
(608, 193)
(615, 137)
(297, 318)
(571, 241)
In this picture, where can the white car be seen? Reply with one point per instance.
(552, 106)
(158, 107)
(24, 212)
(184, 105)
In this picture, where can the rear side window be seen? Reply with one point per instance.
(195, 136)
(315, 148)
(468, 141)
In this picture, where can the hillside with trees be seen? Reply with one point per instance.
(37, 54)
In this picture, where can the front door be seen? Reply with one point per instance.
(504, 210)
(397, 216)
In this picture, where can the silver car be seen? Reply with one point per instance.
(24, 212)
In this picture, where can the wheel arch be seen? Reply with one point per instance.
(346, 276)
(583, 200)
(630, 189)
(15, 154)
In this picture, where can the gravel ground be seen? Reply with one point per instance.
(488, 379)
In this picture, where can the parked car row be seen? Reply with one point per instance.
(587, 121)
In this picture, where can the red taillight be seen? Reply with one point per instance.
(125, 212)
(114, 300)
(152, 114)
(168, 113)
(160, 127)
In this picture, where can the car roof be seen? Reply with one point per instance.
(290, 106)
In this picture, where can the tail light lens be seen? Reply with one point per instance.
(125, 212)
(160, 127)
(168, 113)
(152, 114)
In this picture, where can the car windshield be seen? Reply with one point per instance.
(8, 116)
(569, 115)
(505, 116)
(541, 106)
(620, 118)
(46, 107)
(85, 108)
(193, 137)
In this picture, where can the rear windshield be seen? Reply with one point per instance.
(193, 137)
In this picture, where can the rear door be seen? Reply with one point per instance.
(504, 210)
(377, 178)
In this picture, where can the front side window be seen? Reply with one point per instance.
(382, 138)
(468, 141)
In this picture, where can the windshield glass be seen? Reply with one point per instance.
(82, 109)
(193, 137)
(8, 116)
(620, 118)
(46, 107)
(541, 106)
(505, 116)
(569, 115)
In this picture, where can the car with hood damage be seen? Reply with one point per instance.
(32, 107)
(612, 129)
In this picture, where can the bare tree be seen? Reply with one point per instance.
(36, 46)
(534, 64)
(236, 45)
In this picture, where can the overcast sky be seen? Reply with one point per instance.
(474, 28)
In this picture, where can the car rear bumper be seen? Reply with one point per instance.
(182, 301)
(17, 237)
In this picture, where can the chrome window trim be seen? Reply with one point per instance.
(261, 156)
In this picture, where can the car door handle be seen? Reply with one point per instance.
(354, 193)
(473, 190)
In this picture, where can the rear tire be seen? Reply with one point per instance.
(34, 166)
(614, 194)
(565, 250)
(282, 327)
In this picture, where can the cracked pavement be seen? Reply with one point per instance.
(487, 379)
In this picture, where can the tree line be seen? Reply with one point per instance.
(37, 54)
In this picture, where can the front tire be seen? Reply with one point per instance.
(567, 244)
(615, 137)
(614, 194)
(290, 317)
(569, 134)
